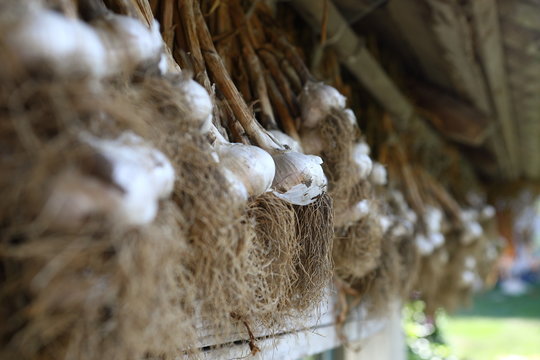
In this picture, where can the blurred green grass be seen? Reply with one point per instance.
(496, 327)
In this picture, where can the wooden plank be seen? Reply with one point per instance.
(298, 344)
(488, 42)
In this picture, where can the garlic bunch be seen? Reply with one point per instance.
(286, 140)
(361, 160)
(317, 101)
(69, 47)
(299, 178)
(433, 217)
(133, 177)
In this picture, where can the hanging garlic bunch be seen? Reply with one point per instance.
(69, 47)
(132, 177)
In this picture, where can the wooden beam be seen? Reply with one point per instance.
(451, 116)
(488, 42)
(354, 55)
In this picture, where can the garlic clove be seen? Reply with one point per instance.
(251, 165)
(286, 140)
(378, 174)
(316, 102)
(299, 178)
(311, 141)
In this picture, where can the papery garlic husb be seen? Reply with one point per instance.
(139, 176)
(361, 159)
(114, 44)
(317, 101)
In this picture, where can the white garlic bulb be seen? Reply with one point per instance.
(196, 102)
(355, 214)
(362, 161)
(286, 140)
(143, 172)
(470, 262)
(139, 176)
(488, 212)
(129, 43)
(467, 278)
(251, 165)
(378, 174)
(299, 178)
(317, 101)
(235, 185)
(311, 141)
(349, 115)
(472, 231)
(63, 45)
(433, 217)
(114, 44)
(436, 239)
(385, 222)
(424, 246)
